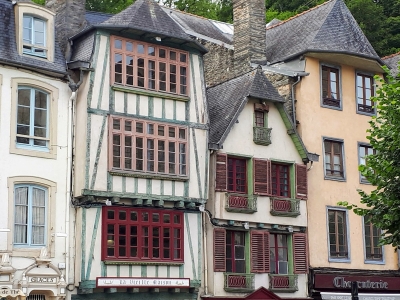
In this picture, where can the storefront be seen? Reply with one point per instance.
(335, 284)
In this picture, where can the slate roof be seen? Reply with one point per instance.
(94, 17)
(329, 27)
(392, 62)
(226, 101)
(8, 47)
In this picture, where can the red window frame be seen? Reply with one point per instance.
(237, 175)
(235, 251)
(278, 249)
(259, 118)
(149, 66)
(330, 86)
(136, 234)
(280, 178)
(365, 90)
(147, 146)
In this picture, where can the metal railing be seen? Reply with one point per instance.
(285, 207)
(283, 283)
(262, 135)
(238, 282)
(241, 203)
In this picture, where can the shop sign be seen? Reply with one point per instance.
(150, 282)
(42, 280)
(10, 292)
(347, 296)
(338, 282)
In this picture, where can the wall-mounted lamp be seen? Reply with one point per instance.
(202, 208)
(108, 202)
(246, 225)
(158, 39)
(290, 228)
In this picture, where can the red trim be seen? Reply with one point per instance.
(119, 286)
(237, 175)
(279, 174)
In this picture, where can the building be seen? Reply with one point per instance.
(35, 130)
(141, 155)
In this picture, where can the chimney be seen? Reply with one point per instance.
(249, 34)
(70, 19)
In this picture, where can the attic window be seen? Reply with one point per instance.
(34, 36)
(148, 66)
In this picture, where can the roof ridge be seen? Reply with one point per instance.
(391, 55)
(300, 14)
(222, 82)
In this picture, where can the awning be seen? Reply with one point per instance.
(361, 296)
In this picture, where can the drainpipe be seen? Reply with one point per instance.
(205, 254)
(293, 100)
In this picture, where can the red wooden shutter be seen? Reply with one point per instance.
(301, 181)
(262, 176)
(259, 251)
(220, 174)
(300, 254)
(219, 250)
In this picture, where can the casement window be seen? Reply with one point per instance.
(268, 251)
(237, 175)
(137, 234)
(32, 118)
(30, 211)
(372, 234)
(337, 229)
(280, 178)
(148, 66)
(330, 86)
(146, 146)
(259, 118)
(363, 151)
(34, 36)
(365, 90)
(334, 159)
(261, 134)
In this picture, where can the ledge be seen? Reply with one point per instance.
(142, 263)
(150, 93)
(148, 175)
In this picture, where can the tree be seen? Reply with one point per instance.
(108, 6)
(382, 169)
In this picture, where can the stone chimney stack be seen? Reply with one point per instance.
(249, 34)
(70, 19)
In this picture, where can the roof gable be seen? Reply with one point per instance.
(392, 62)
(262, 294)
(329, 27)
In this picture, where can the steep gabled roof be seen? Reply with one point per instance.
(94, 17)
(227, 100)
(329, 27)
(392, 62)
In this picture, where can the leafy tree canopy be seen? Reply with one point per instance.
(382, 205)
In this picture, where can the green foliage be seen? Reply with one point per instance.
(382, 170)
(41, 2)
(204, 8)
(108, 6)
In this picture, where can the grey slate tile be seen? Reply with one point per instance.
(392, 62)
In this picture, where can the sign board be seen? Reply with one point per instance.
(10, 292)
(347, 296)
(37, 279)
(149, 282)
(343, 282)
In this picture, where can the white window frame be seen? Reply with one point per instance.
(371, 261)
(31, 136)
(31, 47)
(334, 259)
(29, 224)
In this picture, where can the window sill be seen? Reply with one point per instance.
(151, 93)
(374, 262)
(366, 113)
(342, 179)
(144, 263)
(25, 251)
(148, 175)
(332, 107)
(32, 152)
(339, 260)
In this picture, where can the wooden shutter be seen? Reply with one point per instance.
(262, 176)
(221, 172)
(259, 251)
(300, 254)
(301, 181)
(219, 250)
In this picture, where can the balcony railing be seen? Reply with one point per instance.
(262, 135)
(241, 203)
(283, 283)
(285, 207)
(238, 282)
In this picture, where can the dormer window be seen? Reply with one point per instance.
(34, 36)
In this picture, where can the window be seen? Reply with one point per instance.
(34, 36)
(278, 248)
(372, 234)
(235, 252)
(237, 175)
(143, 65)
(280, 175)
(30, 215)
(365, 90)
(259, 118)
(139, 234)
(363, 152)
(338, 244)
(334, 166)
(330, 87)
(145, 146)
(32, 118)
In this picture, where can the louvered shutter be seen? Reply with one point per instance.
(259, 251)
(300, 253)
(219, 250)
(221, 172)
(262, 176)
(301, 181)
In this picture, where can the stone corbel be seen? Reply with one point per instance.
(5, 266)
